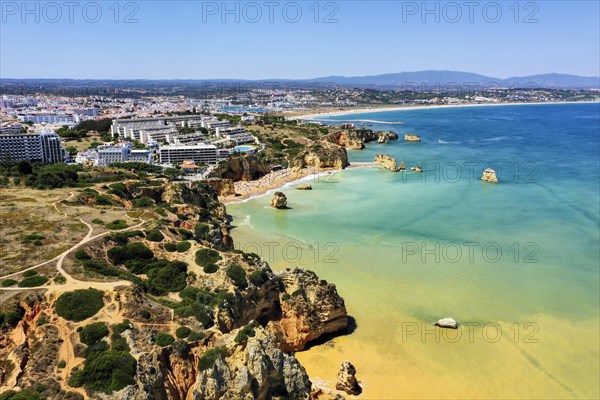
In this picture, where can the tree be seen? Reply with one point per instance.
(24, 168)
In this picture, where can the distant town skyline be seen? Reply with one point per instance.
(296, 40)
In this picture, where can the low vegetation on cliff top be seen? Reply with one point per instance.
(80, 304)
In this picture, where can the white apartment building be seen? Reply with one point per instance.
(65, 119)
(109, 154)
(177, 154)
(143, 156)
(8, 128)
(42, 146)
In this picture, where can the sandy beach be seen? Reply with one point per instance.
(274, 180)
(320, 113)
(277, 179)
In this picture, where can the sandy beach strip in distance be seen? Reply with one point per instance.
(332, 112)
(277, 179)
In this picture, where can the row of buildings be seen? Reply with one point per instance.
(153, 131)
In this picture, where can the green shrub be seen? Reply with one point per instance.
(182, 247)
(33, 281)
(143, 201)
(97, 221)
(164, 339)
(145, 314)
(170, 247)
(207, 256)
(60, 279)
(202, 232)
(171, 277)
(8, 282)
(103, 200)
(80, 304)
(22, 395)
(121, 327)
(258, 277)
(118, 343)
(106, 372)
(210, 268)
(195, 336)
(61, 364)
(161, 211)
(32, 238)
(29, 273)
(100, 267)
(93, 333)
(154, 235)
(244, 333)
(209, 358)
(186, 234)
(130, 251)
(237, 274)
(123, 237)
(117, 224)
(96, 348)
(81, 255)
(182, 332)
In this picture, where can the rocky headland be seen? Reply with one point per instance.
(209, 322)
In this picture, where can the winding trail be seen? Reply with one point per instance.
(72, 283)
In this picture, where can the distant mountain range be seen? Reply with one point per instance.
(433, 79)
(421, 80)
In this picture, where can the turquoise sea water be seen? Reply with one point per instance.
(516, 263)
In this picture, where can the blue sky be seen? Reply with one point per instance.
(200, 40)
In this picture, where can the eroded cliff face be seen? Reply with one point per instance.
(356, 139)
(242, 168)
(199, 201)
(323, 154)
(310, 308)
(223, 187)
(256, 369)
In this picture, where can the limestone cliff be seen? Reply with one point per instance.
(387, 162)
(223, 187)
(309, 309)
(241, 168)
(323, 154)
(199, 202)
(256, 369)
(356, 139)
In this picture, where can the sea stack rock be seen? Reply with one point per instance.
(279, 201)
(411, 137)
(447, 323)
(387, 162)
(418, 168)
(402, 166)
(304, 186)
(385, 137)
(489, 175)
(346, 380)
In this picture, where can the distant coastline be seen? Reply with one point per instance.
(319, 114)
